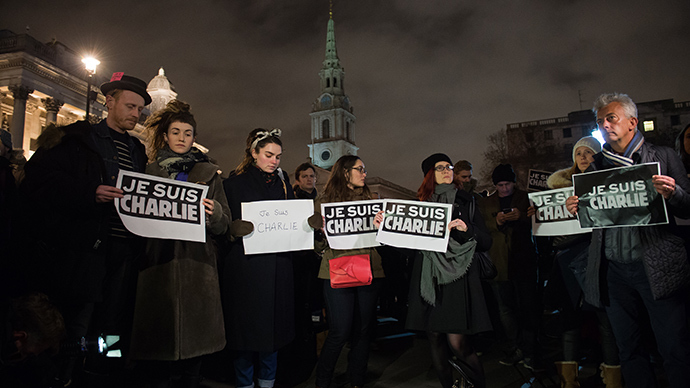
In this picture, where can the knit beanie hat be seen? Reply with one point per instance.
(431, 161)
(6, 138)
(590, 142)
(503, 172)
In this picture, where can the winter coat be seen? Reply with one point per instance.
(256, 290)
(665, 258)
(65, 226)
(460, 305)
(561, 178)
(328, 253)
(178, 314)
(512, 252)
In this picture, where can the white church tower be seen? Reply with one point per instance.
(332, 118)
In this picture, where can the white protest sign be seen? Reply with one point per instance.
(279, 226)
(350, 225)
(415, 224)
(551, 217)
(161, 208)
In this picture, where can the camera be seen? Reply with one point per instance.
(507, 210)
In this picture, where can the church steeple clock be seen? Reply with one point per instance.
(332, 117)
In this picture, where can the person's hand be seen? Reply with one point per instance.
(457, 224)
(378, 219)
(571, 204)
(208, 204)
(241, 228)
(664, 185)
(514, 215)
(105, 193)
(315, 221)
(531, 211)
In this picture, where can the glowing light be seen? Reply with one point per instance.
(91, 64)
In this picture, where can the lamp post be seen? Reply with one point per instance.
(90, 63)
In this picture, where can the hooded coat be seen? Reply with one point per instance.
(178, 313)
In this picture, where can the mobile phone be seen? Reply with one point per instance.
(507, 210)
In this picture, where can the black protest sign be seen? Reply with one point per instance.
(537, 180)
(161, 208)
(623, 196)
(415, 224)
(350, 225)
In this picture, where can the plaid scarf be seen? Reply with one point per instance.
(612, 159)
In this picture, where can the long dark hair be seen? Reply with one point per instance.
(427, 187)
(159, 122)
(680, 148)
(248, 158)
(337, 189)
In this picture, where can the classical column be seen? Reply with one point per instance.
(53, 106)
(20, 93)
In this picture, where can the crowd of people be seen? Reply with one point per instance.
(74, 271)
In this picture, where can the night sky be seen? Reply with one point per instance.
(423, 76)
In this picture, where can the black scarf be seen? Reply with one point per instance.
(175, 163)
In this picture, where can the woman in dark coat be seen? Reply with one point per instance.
(257, 289)
(178, 316)
(446, 298)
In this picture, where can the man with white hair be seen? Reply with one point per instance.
(633, 269)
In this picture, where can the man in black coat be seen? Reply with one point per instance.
(641, 271)
(83, 255)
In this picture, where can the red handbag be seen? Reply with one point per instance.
(350, 271)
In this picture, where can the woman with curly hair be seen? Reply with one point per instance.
(178, 316)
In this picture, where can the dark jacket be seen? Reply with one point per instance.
(256, 290)
(178, 314)
(65, 226)
(513, 252)
(665, 258)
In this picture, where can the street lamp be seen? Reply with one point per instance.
(90, 63)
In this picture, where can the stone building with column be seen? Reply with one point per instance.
(42, 83)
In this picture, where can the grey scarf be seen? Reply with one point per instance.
(444, 268)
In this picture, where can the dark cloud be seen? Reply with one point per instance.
(423, 76)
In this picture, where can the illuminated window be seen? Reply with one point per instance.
(648, 125)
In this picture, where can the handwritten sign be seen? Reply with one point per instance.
(350, 225)
(552, 218)
(415, 224)
(623, 196)
(279, 226)
(161, 208)
(537, 180)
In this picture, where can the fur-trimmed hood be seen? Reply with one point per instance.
(561, 178)
(53, 134)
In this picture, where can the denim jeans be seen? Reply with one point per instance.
(244, 369)
(350, 313)
(629, 295)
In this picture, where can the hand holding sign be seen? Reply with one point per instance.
(664, 185)
(105, 193)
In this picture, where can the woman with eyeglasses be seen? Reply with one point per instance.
(350, 312)
(257, 290)
(446, 298)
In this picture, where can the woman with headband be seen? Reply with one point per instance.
(257, 289)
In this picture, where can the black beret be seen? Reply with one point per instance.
(431, 161)
(503, 173)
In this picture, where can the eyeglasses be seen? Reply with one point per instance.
(361, 169)
(441, 168)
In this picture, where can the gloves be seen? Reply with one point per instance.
(315, 220)
(240, 228)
